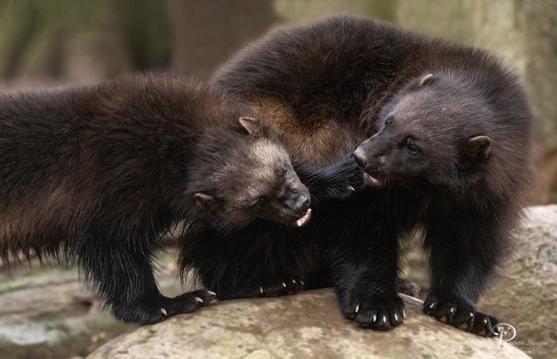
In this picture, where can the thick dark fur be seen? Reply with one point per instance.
(101, 173)
(268, 259)
(330, 85)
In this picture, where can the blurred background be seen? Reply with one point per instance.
(43, 310)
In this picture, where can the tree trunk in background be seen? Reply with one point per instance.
(206, 33)
(68, 40)
(539, 19)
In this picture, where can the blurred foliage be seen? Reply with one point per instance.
(83, 40)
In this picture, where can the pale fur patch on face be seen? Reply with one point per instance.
(250, 174)
(268, 154)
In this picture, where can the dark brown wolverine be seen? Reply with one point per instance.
(101, 173)
(451, 154)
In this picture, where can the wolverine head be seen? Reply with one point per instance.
(433, 132)
(251, 178)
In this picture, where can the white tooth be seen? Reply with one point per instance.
(372, 181)
(304, 219)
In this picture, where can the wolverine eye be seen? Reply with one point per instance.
(411, 147)
(281, 172)
(258, 202)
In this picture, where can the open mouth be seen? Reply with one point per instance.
(304, 219)
(372, 181)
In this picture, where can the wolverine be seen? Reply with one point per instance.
(443, 132)
(99, 174)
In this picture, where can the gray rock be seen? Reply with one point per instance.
(525, 292)
(307, 325)
(47, 312)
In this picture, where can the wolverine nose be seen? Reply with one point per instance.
(301, 204)
(360, 158)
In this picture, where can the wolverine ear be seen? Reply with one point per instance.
(203, 200)
(426, 79)
(478, 147)
(250, 124)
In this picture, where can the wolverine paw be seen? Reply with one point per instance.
(461, 315)
(289, 286)
(187, 302)
(354, 179)
(375, 311)
(155, 311)
(138, 314)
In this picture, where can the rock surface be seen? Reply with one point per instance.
(308, 325)
(525, 293)
(47, 312)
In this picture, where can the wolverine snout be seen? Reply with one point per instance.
(370, 154)
(360, 156)
(298, 204)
